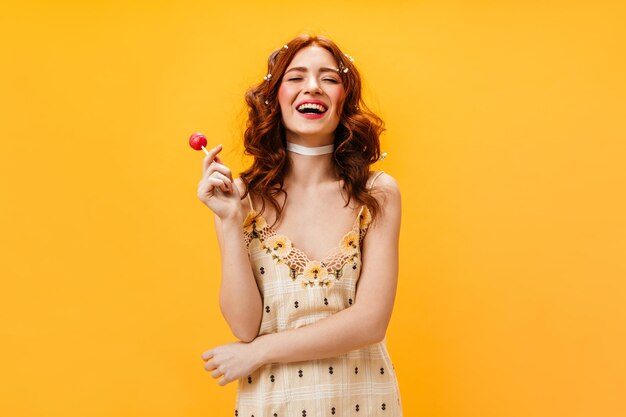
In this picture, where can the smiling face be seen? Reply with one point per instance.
(311, 75)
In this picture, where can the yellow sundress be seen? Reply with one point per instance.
(296, 292)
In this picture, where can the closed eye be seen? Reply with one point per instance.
(325, 79)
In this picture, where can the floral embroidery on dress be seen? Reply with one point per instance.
(321, 273)
(279, 246)
(253, 222)
(365, 218)
(314, 271)
(350, 243)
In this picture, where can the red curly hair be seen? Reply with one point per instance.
(357, 144)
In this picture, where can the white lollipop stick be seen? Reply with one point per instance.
(205, 151)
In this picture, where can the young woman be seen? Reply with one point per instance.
(308, 280)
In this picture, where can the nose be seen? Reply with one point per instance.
(312, 85)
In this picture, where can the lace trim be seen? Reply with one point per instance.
(311, 272)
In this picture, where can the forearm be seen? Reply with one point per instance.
(345, 331)
(240, 300)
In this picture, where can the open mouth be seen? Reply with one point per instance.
(309, 108)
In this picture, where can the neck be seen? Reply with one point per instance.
(310, 171)
(311, 151)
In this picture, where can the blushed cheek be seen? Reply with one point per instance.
(340, 100)
(283, 95)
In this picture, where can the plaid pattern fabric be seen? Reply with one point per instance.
(296, 292)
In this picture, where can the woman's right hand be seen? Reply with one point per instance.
(217, 189)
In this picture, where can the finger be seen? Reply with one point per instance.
(205, 186)
(208, 185)
(223, 169)
(216, 182)
(216, 373)
(207, 355)
(210, 365)
(210, 157)
(224, 178)
(223, 382)
(219, 168)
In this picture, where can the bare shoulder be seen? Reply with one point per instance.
(385, 187)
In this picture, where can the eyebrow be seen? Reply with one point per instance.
(323, 69)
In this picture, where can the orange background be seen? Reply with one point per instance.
(506, 129)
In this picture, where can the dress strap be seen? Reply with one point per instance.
(250, 200)
(374, 180)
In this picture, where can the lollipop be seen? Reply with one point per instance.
(198, 141)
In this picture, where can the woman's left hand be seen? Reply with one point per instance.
(233, 360)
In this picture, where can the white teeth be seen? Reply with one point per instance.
(312, 106)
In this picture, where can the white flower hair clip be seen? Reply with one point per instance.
(343, 68)
(382, 156)
(267, 77)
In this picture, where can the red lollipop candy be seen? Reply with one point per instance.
(198, 142)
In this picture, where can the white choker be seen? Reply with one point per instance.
(310, 150)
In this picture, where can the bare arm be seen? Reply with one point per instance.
(240, 298)
(366, 321)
